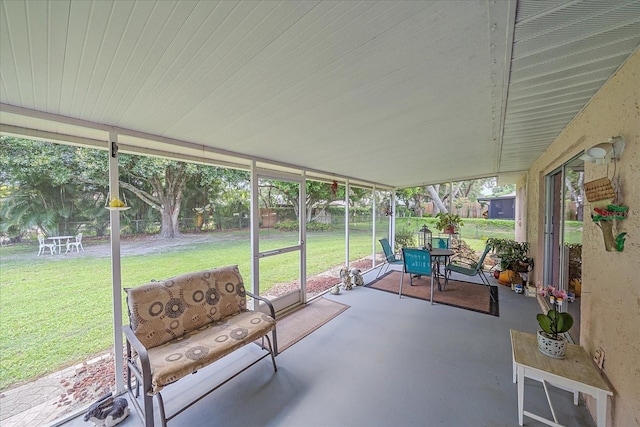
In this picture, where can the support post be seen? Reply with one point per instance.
(347, 189)
(116, 276)
(374, 215)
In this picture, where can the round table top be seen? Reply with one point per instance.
(441, 252)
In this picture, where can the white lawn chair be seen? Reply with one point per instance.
(77, 244)
(44, 246)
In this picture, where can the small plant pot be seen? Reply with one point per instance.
(506, 277)
(607, 234)
(548, 346)
(449, 230)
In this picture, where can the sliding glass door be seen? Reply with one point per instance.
(563, 234)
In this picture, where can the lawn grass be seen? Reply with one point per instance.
(57, 310)
(54, 312)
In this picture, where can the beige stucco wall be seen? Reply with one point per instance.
(610, 280)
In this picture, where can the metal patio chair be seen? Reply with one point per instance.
(440, 243)
(390, 257)
(44, 246)
(477, 270)
(77, 244)
(416, 262)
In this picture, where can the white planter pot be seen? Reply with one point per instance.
(550, 347)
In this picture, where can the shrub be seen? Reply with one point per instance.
(286, 225)
(318, 226)
(292, 225)
(405, 237)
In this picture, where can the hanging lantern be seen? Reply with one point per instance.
(427, 237)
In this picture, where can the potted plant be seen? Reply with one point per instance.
(551, 340)
(448, 223)
(512, 254)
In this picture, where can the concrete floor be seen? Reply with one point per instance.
(385, 361)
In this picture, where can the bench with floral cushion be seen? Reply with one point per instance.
(185, 323)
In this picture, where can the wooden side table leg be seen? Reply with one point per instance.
(601, 409)
(520, 395)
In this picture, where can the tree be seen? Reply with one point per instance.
(52, 186)
(503, 190)
(318, 196)
(226, 192)
(412, 198)
(160, 183)
(164, 184)
(440, 194)
(45, 188)
(434, 193)
(574, 181)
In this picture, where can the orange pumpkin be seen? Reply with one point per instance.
(506, 277)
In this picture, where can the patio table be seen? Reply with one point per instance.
(57, 240)
(437, 254)
(436, 257)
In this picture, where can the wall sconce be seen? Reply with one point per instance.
(603, 153)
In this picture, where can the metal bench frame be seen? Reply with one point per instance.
(142, 373)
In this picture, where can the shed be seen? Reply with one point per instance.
(503, 207)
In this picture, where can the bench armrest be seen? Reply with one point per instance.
(273, 315)
(265, 300)
(140, 349)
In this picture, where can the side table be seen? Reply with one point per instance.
(575, 373)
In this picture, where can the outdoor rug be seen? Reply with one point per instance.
(470, 296)
(297, 325)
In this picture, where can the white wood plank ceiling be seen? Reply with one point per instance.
(395, 93)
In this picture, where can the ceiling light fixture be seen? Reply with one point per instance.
(604, 152)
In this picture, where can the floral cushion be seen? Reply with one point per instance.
(163, 311)
(186, 354)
